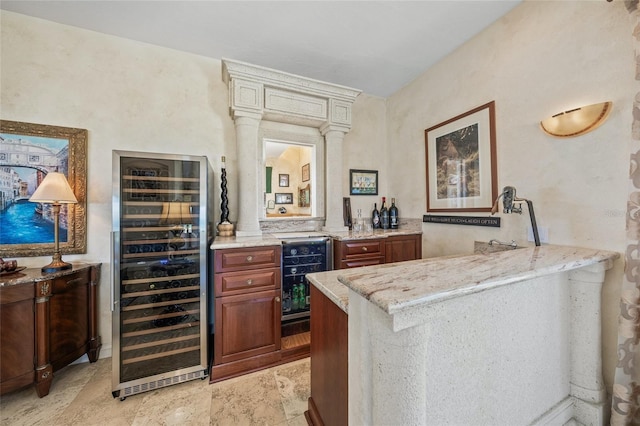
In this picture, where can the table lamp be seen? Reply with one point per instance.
(54, 190)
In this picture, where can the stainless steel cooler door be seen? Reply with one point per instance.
(159, 275)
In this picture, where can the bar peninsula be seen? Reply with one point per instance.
(512, 337)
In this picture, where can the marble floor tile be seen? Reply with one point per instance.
(294, 386)
(81, 395)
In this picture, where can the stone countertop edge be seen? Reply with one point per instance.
(34, 274)
(397, 287)
(327, 283)
(271, 239)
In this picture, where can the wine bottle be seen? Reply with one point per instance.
(375, 216)
(393, 215)
(384, 215)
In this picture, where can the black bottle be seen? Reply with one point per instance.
(384, 215)
(394, 219)
(375, 216)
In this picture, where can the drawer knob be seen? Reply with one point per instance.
(249, 258)
(364, 249)
(249, 282)
(277, 299)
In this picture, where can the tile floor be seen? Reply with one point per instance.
(81, 395)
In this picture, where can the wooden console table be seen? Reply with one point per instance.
(46, 322)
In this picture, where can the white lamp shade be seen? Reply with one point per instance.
(54, 189)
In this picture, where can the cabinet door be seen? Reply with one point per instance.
(17, 339)
(69, 318)
(401, 248)
(246, 325)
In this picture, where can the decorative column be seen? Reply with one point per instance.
(334, 137)
(247, 149)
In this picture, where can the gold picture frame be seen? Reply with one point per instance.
(461, 162)
(28, 148)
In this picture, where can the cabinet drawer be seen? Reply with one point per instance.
(69, 282)
(247, 258)
(362, 248)
(366, 261)
(230, 283)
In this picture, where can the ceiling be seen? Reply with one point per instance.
(374, 46)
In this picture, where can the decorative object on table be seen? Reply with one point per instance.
(363, 182)
(282, 210)
(225, 228)
(55, 190)
(10, 267)
(346, 211)
(283, 180)
(306, 172)
(394, 218)
(384, 214)
(284, 198)
(49, 148)
(508, 199)
(461, 162)
(576, 121)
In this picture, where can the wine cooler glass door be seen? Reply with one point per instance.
(159, 272)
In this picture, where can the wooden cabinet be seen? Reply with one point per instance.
(355, 253)
(376, 251)
(46, 322)
(399, 248)
(247, 310)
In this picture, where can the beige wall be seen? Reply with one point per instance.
(129, 96)
(540, 59)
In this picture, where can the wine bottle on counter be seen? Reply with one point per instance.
(384, 215)
(375, 216)
(394, 219)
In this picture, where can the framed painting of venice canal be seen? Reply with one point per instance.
(461, 162)
(27, 153)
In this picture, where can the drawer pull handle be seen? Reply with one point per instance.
(364, 249)
(277, 299)
(249, 282)
(249, 258)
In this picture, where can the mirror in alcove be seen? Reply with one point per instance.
(288, 180)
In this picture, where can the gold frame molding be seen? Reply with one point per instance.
(76, 175)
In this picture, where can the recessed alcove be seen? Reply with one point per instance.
(274, 105)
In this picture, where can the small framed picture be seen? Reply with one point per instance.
(284, 180)
(306, 172)
(284, 198)
(363, 182)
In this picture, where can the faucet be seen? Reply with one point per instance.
(508, 197)
(500, 243)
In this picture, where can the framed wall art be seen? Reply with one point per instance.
(283, 180)
(461, 162)
(284, 198)
(27, 153)
(363, 182)
(306, 172)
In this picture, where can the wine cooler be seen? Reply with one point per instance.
(159, 270)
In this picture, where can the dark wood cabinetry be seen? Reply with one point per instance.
(376, 251)
(355, 253)
(403, 247)
(46, 322)
(247, 310)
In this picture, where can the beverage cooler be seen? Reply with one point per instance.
(159, 279)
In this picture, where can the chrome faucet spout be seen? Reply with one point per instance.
(500, 243)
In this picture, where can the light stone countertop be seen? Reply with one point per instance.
(273, 239)
(399, 286)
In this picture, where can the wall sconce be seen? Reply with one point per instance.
(578, 121)
(55, 190)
